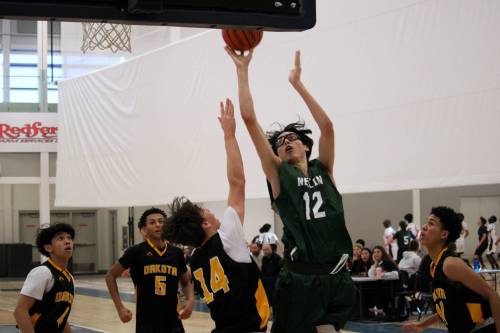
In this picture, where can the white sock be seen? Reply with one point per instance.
(326, 329)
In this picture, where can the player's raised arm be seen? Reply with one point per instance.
(327, 137)
(270, 162)
(235, 172)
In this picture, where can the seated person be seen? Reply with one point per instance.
(361, 266)
(411, 260)
(383, 266)
(356, 254)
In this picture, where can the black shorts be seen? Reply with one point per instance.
(303, 302)
(480, 250)
(155, 326)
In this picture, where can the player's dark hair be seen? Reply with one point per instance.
(385, 256)
(409, 218)
(403, 225)
(183, 226)
(386, 223)
(46, 235)
(361, 241)
(450, 221)
(153, 210)
(482, 219)
(298, 128)
(370, 259)
(265, 228)
(492, 219)
(461, 217)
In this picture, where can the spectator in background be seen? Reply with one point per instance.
(356, 251)
(188, 250)
(482, 234)
(460, 242)
(361, 242)
(411, 260)
(390, 245)
(411, 226)
(356, 254)
(268, 237)
(383, 268)
(403, 238)
(492, 242)
(383, 265)
(256, 253)
(361, 266)
(271, 266)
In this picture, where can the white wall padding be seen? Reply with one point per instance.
(413, 88)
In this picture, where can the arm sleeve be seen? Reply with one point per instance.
(38, 282)
(233, 239)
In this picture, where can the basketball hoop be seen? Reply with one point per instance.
(115, 37)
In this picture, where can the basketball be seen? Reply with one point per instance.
(242, 40)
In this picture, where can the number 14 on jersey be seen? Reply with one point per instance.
(218, 280)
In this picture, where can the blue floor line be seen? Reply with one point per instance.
(382, 328)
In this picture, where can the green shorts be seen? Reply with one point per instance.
(303, 302)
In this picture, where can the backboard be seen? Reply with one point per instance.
(286, 15)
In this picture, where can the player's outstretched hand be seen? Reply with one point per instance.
(186, 310)
(226, 118)
(411, 327)
(240, 60)
(294, 76)
(125, 315)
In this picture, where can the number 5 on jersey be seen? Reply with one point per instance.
(218, 280)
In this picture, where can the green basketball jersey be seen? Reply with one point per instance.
(313, 215)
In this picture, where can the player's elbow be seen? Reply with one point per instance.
(110, 276)
(237, 181)
(249, 118)
(18, 311)
(327, 128)
(491, 295)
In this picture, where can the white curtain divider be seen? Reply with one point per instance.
(413, 88)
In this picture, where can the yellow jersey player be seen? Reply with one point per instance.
(224, 274)
(156, 268)
(463, 301)
(47, 295)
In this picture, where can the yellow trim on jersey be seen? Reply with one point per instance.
(434, 265)
(475, 311)
(160, 253)
(262, 304)
(63, 271)
(34, 318)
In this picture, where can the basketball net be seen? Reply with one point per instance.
(115, 37)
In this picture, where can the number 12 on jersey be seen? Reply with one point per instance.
(218, 280)
(316, 209)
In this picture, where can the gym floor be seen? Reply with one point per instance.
(93, 310)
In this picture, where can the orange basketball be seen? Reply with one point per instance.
(242, 40)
